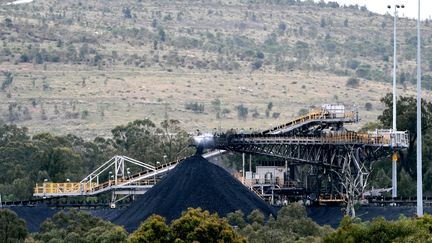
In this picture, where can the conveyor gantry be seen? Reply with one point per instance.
(112, 176)
(326, 116)
(339, 160)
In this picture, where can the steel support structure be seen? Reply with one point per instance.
(343, 164)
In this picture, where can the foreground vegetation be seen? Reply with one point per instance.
(197, 225)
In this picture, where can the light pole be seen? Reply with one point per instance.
(394, 157)
(419, 132)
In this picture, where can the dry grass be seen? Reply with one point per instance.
(125, 94)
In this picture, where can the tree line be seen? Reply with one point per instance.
(27, 159)
(197, 225)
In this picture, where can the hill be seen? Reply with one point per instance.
(87, 66)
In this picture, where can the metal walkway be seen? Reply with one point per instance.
(328, 115)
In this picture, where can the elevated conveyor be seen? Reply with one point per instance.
(112, 176)
(379, 138)
(328, 115)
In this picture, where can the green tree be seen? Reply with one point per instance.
(8, 22)
(216, 107)
(242, 112)
(162, 34)
(8, 79)
(139, 140)
(127, 12)
(408, 189)
(291, 225)
(405, 120)
(75, 226)
(174, 141)
(197, 225)
(12, 228)
(256, 216)
(381, 230)
(237, 219)
(353, 83)
(153, 229)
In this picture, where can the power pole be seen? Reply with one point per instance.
(394, 157)
(419, 132)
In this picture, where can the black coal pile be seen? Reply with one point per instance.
(195, 182)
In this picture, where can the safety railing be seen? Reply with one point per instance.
(380, 137)
(82, 188)
(60, 188)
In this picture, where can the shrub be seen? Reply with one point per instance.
(368, 106)
(353, 83)
(7, 80)
(195, 107)
(242, 112)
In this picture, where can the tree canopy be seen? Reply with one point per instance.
(76, 226)
(12, 228)
(195, 225)
(30, 159)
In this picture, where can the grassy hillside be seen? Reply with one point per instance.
(86, 66)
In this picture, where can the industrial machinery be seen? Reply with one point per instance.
(324, 160)
(318, 160)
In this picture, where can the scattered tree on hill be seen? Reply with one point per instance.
(216, 107)
(162, 34)
(195, 107)
(368, 106)
(242, 112)
(282, 26)
(257, 64)
(127, 12)
(7, 81)
(353, 83)
(8, 22)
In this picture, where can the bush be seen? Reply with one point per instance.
(368, 106)
(353, 83)
(364, 71)
(381, 230)
(195, 107)
(8, 79)
(302, 112)
(353, 64)
(242, 112)
(257, 64)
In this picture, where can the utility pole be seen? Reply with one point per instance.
(419, 132)
(394, 157)
(243, 168)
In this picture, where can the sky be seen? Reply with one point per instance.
(380, 6)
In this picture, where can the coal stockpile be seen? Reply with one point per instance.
(34, 216)
(195, 182)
